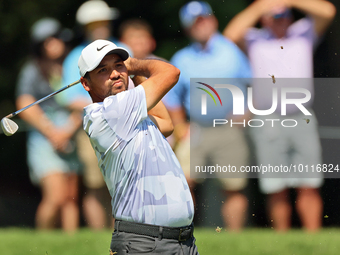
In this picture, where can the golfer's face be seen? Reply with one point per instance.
(109, 78)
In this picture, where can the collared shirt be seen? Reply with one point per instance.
(220, 58)
(140, 169)
(288, 57)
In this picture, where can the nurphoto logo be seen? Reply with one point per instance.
(280, 99)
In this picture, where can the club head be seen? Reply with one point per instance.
(8, 126)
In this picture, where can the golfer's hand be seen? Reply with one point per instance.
(137, 79)
(128, 64)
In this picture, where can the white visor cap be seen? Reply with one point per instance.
(92, 55)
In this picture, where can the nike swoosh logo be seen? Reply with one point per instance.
(99, 49)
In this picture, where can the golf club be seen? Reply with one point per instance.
(9, 127)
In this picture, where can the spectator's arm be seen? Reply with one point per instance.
(238, 26)
(35, 116)
(321, 11)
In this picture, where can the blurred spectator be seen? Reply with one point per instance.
(51, 155)
(95, 16)
(138, 35)
(284, 48)
(210, 55)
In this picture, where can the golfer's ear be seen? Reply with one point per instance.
(85, 83)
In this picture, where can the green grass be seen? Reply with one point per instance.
(15, 241)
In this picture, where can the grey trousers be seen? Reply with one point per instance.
(128, 243)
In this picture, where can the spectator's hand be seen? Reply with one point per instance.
(60, 136)
(60, 139)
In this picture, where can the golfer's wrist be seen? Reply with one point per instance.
(139, 67)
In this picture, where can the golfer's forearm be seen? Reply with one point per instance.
(161, 75)
(181, 125)
(177, 115)
(150, 68)
(138, 79)
(164, 126)
(160, 116)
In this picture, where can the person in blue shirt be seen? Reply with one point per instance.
(210, 55)
(96, 17)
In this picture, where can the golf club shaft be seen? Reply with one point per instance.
(41, 100)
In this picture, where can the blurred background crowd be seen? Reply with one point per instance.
(49, 176)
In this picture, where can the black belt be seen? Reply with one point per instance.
(181, 233)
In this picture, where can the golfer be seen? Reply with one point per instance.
(151, 201)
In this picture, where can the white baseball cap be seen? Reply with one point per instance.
(44, 28)
(92, 55)
(95, 10)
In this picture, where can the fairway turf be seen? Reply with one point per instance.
(15, 241)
